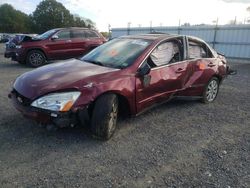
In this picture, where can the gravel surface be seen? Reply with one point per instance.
(183, 143)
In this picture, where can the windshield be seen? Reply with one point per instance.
(45, 35)
(117, 53)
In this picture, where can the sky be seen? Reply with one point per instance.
(118, 13)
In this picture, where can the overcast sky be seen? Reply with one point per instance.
(118, 13)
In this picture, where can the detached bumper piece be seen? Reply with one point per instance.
(231, 71)
(41, 116)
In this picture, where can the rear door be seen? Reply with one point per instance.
(203, 61)
(84, 40)
(169, 73)
(60, 47)
(93, 39)
(79, 42)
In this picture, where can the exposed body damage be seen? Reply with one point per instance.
(131, 85)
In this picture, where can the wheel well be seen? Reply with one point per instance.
(38, 49)
(219, 78)
(92, 47)
(124, 107)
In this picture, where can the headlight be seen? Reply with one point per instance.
(18, 46)
(57, 101)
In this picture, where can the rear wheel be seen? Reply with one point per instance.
(211, 90)
(104, 116)
(35, 58)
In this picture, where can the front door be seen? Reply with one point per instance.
(60, 47)
(169, 74)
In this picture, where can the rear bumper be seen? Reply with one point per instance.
(59, 119)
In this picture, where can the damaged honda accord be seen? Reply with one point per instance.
(124, 76)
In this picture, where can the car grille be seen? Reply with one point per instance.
(21, 99)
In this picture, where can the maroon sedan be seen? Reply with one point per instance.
(126, 75)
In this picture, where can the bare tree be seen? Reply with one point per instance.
(248, 10)
(248, 18)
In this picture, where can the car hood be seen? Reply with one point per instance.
(68, 74)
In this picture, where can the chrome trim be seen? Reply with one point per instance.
(167, 65)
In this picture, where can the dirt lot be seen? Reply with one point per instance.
(182, 143)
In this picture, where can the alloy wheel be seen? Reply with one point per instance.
(212, 90)
(36, 59)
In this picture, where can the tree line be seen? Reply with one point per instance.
(48, 14)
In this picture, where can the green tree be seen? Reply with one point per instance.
(78, 21)
(89, 23)
(51, 14)
(82, 22)
(13, 21)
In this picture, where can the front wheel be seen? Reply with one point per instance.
(35, 58)
(211, 90)
(104, 116)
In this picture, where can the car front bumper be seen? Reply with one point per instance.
(14, 54)
(46, 117)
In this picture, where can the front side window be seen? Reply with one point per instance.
(65, 34)
(165, 53)
(117, 53)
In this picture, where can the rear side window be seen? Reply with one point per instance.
(78, 34)
(90, 34)
(198, 50)
(65, 34)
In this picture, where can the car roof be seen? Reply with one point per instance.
(160, 36)
(84, 28)
(152, 36)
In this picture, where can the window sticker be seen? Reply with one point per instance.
(113, 53)
(139, 42)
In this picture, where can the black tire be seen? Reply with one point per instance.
(211, 90)
(104, 116)
(35, 58)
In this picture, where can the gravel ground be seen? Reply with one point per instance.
(183, 143)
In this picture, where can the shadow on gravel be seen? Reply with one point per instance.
(14, 65)
(22, 129)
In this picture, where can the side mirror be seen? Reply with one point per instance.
(54, 37)
(144, 70)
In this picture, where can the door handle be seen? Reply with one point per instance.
(68, 40)
(211, 64)
(179, 70)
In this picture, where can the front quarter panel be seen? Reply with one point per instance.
(122, 85)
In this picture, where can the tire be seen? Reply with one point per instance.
(211, 90)
(35, 58)
(104, 116)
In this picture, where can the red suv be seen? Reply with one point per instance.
(61, 43)
(126, 75)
